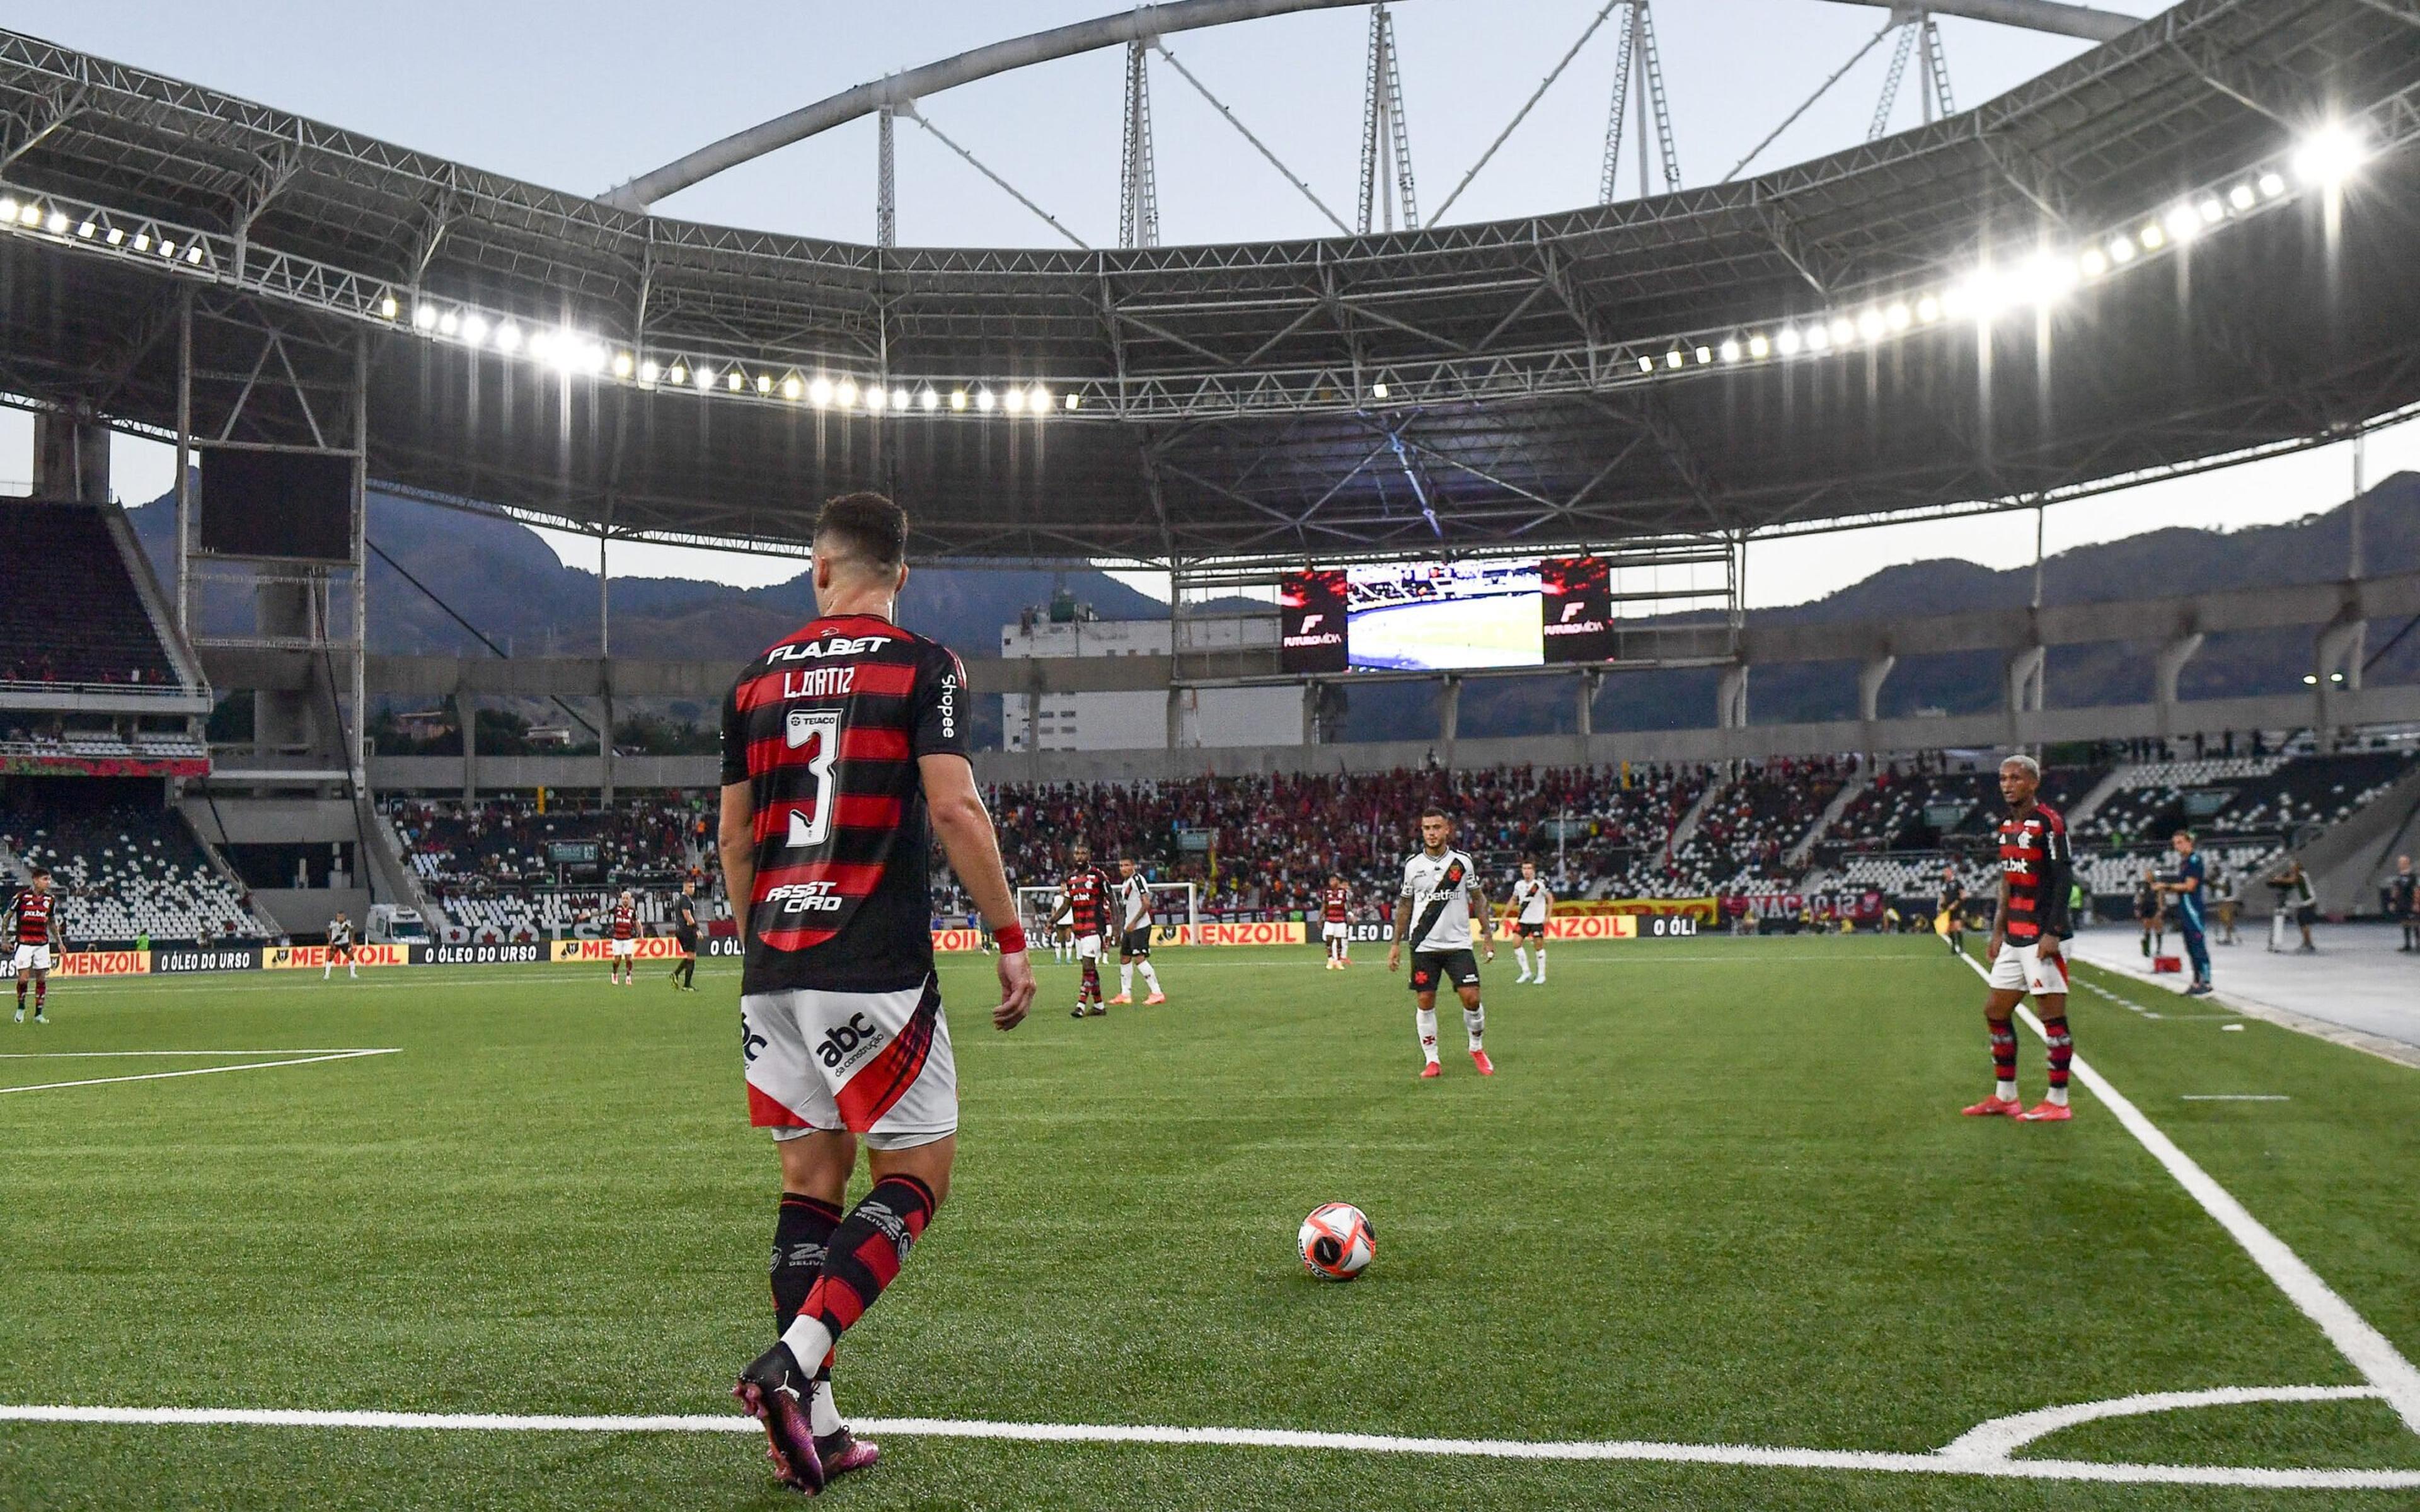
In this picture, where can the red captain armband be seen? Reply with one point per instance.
(1010, 938)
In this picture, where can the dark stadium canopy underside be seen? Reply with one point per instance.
(1229, 394)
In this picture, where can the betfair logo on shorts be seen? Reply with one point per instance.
(807, 898)
(844, 1041)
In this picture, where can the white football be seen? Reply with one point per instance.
(1336, 1241)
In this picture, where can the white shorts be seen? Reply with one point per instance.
(2020, 968)
(619, 948)
(1334, 932)
(1088, 948)
(33, 958)
(877, 1064)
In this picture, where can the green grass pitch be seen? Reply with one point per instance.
(1719, 1194)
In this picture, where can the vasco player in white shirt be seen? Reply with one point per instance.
(1131, 895)
(1441, 899)
(1532, 903)
(844, 755)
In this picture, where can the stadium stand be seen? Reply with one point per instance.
(125, 865)
(491, 870)
(59, 568)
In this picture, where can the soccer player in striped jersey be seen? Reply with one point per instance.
(33, 929)
(1335, 921)
(622, 940)
(1442, 901)
(2035, 868)
(1084, 904)
(844, 757)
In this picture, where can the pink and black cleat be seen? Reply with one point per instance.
(774, 1391)
(843, 1451)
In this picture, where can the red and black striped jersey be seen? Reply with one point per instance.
(1333, 904)
(826, 727)
(625, 922)
(34, 911)
(2036, 863)
(1087, 892)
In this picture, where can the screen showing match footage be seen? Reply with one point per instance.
(1447, 616)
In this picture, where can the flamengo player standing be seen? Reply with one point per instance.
(1532, 903)
(1133, 895)
(843, 754)
(1084, 904)
(1441, 896)
(2036, 868)
(34, 930)
(1335, 903)
(622, 940)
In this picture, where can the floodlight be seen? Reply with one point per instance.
(984, 400)
(2328, 156)
(764, 383)
(846, 392)
(2335, 677)
(142, 241)
(2310, 679)
(387, 306)
(819, 391)
(2093, 261)
(1819, 338)
(86, 229)
(30, 215)
(899, 398)
(1672, 358)
(1841, 330)
(1730, 350)
(167, 248)
(1897, 318)
(792, 388)
(1075, 401)
(194, 254)
(875, 398)
(448, 323)
(1758, 346)
(2121, 249)
(1928, 309)
(678, 374)
(2048, 277)
(2182, 224)
(2152, 236)
(958, 398)
(732, 380)
(929, 401)
(1013, 399)
(1705, 355)
(623, 366)
(7, 208)
(114, 237)
(57, 223)
(649, 372)
(1870, 325)
(508, 337)
(1378, 391)
(2211, 211)
(1647, 364)
(2240, 196)
(1787, 341)
(474, 330)
(2272, 185)
(424, 317)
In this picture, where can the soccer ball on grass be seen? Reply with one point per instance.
(1336, 1241)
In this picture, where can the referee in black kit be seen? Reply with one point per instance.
(685, 934)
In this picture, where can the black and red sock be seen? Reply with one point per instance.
(866, 1251)
(1092, 982)
(801, 1236)
(2004, 1051)
(2062, 1051)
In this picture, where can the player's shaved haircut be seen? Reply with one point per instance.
(1433, 811)
(865, 529)
(2025, 763)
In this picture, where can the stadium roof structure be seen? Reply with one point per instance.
(2143, 261)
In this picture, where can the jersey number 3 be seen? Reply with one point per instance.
(816, 731)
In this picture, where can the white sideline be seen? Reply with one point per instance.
(204, 1070)
(2371, 1352)
(2004, 1436)
(1754, 1456)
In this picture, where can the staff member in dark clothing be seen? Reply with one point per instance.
(2402, 904)
(685, 934)
(2150, 914)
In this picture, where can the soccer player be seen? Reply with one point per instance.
(1084, 905)
(1132, 896)
(2403, 902)
(1532, 903)
(1441, 900)
(843, 754)
(2035, 866)
(1063, 940)
(1335, 927)
(1948, 919)
(2151, 913)
(340, 948)
(685, 935)
(33, 926)
(622, 940)
(2187, 885)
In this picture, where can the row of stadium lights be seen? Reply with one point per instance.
(2324, 160)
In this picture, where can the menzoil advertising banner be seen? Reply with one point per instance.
(302, 957)
(651, 948)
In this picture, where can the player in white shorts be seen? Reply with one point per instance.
(1532, 903)
(33, 926)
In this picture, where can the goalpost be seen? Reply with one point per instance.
(1034, 907)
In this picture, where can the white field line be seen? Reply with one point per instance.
(204, 1070)
(121, 1054)
(2235, 1097)
(2371, 1352)
(1756, 1456)
(2004, 1436)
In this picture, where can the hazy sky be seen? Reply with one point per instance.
(582, 97)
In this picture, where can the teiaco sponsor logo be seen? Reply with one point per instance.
(841, 646)
(844, 1043)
